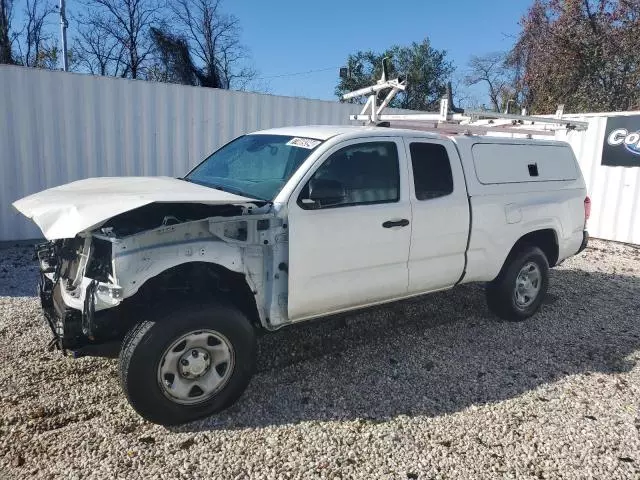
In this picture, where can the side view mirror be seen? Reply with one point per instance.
(325, 191)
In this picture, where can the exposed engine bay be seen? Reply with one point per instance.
(155, 215)
(95, 286)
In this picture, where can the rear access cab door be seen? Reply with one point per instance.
(351, 251)
(440, 212)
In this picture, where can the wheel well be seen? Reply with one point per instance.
(546, 240)
(201, 280)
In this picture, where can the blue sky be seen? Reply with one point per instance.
(289, 36)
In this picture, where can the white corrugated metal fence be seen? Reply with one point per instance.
(614, 191)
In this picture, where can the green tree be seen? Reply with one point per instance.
(582, 53)
(426, 70)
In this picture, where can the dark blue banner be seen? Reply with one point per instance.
(622, 142)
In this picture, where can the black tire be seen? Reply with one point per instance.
(501, 292)
(146, 343)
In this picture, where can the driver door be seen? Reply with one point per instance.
(351, 251)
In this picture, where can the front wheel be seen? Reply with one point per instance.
(519, 289)
(189, 362)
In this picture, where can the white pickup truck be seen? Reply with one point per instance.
(290, 224)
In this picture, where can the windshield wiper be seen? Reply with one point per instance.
(249, 195)
(204, 184)
(226, 189)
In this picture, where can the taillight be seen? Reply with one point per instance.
(587, 208)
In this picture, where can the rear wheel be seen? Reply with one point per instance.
(519, 289)
(189, 362)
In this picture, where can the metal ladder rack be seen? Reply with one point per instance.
(449, 120)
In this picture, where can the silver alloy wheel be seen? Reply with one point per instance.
(195, 367)
(528, 284)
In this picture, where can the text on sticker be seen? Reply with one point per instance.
(303, 142)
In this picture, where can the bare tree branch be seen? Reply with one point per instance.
(35, 39)
(32, 44)
(115, 37)
(214, 40)
(96, 52)
(491, 71)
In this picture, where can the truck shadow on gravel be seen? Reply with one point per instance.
(438, 354)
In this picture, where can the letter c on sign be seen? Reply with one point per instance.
(617, 137)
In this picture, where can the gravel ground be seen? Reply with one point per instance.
(429, 388)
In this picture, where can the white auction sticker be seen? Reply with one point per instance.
(304, 142)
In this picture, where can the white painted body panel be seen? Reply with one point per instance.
(439, 229)
(501, 214)
(65, 211)
(504, 212)
(310, 263)
(492, 236)
(497, 163)
(341, 257)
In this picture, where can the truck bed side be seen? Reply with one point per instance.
(515, 195)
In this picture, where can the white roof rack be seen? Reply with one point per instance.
(450, 119)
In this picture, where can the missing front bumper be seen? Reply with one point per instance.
(73, 329)
(65, 323)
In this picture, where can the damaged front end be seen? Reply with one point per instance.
(121, 247)
(76, 287)
(95, 286)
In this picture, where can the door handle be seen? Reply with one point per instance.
(396, 223)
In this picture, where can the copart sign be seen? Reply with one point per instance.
(622, 142)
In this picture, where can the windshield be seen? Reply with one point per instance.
(255, 166)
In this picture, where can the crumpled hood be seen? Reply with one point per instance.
(65, 211)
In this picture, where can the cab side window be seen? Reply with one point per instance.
(431, 170)
(365, 173)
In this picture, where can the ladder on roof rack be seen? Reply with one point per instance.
(449, 119)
